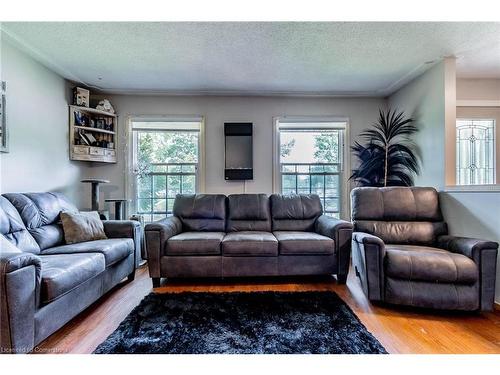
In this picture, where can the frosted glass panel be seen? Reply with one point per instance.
(475, 152)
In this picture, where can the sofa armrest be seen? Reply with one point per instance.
(157, 234)
(126, 229)
(368, 252)
(341, 232)
(484, 254)
(20, 278)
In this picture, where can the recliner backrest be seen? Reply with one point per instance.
(296, 212)
(201, 212)
(40, 214)
(248, 212)
(399, 215)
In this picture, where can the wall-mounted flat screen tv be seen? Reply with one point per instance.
(238, 151)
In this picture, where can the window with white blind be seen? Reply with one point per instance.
(475, 151)
(166, 162)
(310, 155)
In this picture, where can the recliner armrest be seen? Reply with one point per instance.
(157, 234)
(368, 255)
(340, 231)
(465, 246)
(484, 254)
(368, 239)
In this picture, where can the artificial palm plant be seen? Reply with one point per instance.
(389, 158)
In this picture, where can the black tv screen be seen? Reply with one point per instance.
(238, 151)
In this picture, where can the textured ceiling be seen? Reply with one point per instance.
(292, 57)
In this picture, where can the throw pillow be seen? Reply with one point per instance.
(82, 226)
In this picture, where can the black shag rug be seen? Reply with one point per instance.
(242, 323)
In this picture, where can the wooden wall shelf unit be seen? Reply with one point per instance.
(92, 134)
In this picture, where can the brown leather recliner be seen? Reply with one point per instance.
(402, 253)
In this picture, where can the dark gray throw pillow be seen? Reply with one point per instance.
(82, 226)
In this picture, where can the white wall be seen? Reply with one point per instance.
(217, 110)
(474, 214)
(423, 99)
(478, 89)
(37, 116)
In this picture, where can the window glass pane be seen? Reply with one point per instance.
(159, 205)
(159, 185)
(310, 162)
(144, 187)
(170, 204)
(174, 186)
(475, 151)
(188, 185)
(166, 161)
(144, 205)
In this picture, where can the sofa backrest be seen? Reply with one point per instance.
(201, 212)
(40, 215)
(248, 212)
(13, 229)
(297, 212)
(399, 215)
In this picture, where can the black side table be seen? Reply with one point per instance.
(118, 207)
(95, 191)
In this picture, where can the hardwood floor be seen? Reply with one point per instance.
(400, 330)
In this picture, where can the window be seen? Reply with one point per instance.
(475, 151)
(166, 158)
(311, 161)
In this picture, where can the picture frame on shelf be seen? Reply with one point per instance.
(4, 134)
(81, 97)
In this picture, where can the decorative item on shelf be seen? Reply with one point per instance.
(81, 97)
(109, 124)
(4, 139)
(100, 122)
(79, 119)
(105, 105)
(389, 158)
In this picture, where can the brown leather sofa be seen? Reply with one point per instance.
(246, 235)
(43, 281)
(402, 253)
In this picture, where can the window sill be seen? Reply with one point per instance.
(472, 188)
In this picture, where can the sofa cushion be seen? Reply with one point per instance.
(304, 243)
(295, 212)
(113, 249)
(13, 228)
(82, 227)
(420, 263)
(249, 243)
(40, 213)
(248, 212)
(195, 243)
(201, 212)
(64, 272)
